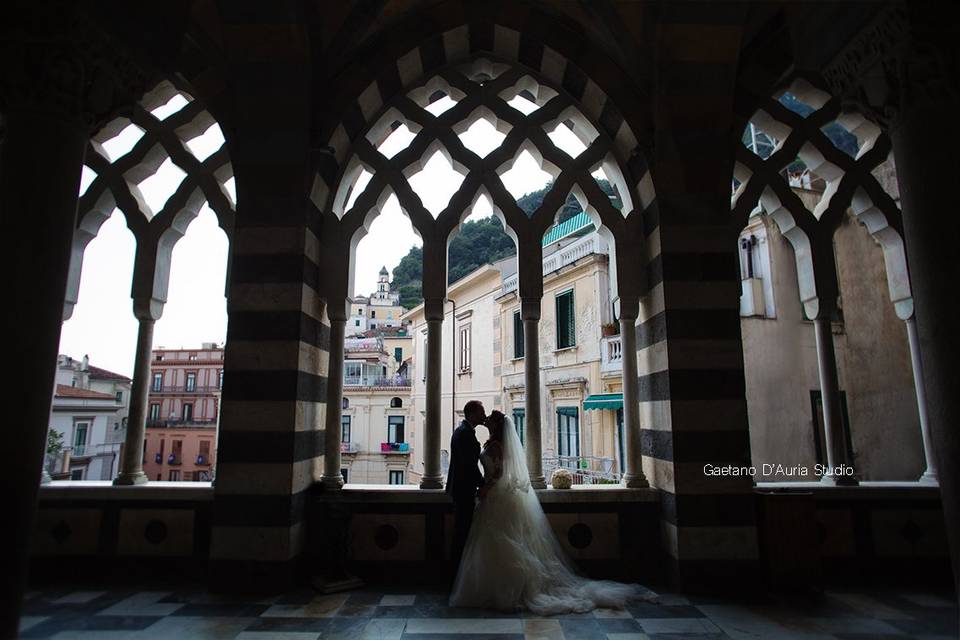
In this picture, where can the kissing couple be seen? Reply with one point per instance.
(509, 558)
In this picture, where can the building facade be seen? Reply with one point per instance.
(381, 309)
(376, 418)
(183, 412)
(89, 410)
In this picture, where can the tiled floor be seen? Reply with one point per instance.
(395, 614)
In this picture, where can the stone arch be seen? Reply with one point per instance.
(849, 184)
(115, 187)
(482, 85)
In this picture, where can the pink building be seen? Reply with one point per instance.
(184, 405)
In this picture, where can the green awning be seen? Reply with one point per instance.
(611, 401)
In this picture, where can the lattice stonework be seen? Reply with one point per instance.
(475, 89)
(794, 128)
(168, 119)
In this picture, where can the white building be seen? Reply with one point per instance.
(89, 409)
(376, 418)
(378, 310)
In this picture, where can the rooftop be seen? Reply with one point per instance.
(66, 391)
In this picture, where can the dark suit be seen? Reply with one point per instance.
(463, 480)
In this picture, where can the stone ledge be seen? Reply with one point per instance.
(398, 494)
(863, 491)
(105, 490)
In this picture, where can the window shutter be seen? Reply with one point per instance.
(517, 335)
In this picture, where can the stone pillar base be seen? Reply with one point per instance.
(130, 479)
(929, 479)
(334, 482)
(840, 481)
(635, 481)
(431, 482)
(538, 483)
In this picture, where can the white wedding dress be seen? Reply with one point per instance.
(512, 560)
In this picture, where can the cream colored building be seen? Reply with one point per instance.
(580, 356)
(376, 415)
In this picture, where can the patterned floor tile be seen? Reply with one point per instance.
(678, 625)
(79, 597)
(145, 603)
(214, 628)
(464, 625)
(384, 629)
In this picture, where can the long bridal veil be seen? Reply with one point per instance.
(513, 559)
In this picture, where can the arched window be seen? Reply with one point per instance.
(396, 403)
(345, 403)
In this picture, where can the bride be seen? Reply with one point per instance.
(512, 560)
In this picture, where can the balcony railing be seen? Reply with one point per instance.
(349, 447)
(591, 243)
(80, 450)
(181, 422)
(611, 355)
(184, 389)
(585, 469)
(375, 381)
(394, 447)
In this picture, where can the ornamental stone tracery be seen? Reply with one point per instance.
(116, 186)
(849, 180)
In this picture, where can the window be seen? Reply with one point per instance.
(203, 476)
(396, 403)
(819, 429)
(203, 457)
(396, 477)
(465, 348)
(517, 334)
(395, 429)
(158, 381)
(568, 432)
(191, 381)
(192, 356)
(76, 474)
(519, 417)
(187, 411)
(345, 473)
(356, 323)
(345, 429)
(621, 441)
(398, 354)
(174, 475)
(119, 397)
(566, 323)
(176, 452)
(80, 430)
(220, 381)
(159, 357)
(345, 403)
(154, 411)
(373, 313)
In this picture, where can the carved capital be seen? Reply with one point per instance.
(55, 61)
(898, 62)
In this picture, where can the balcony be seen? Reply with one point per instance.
(585, 469)
(375, 381)
(181, 422)
(587, 245)
(195, 389)
(349, 447)
(80, 451)
(611, 355)
(394, 447)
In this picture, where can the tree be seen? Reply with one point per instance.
(479, 242)
(54, 443)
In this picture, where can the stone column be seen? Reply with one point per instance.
(927, 190)
(432, 477)
(633, 474)
(131, 467)
(530, 314)
(40, 163)
(930, 473)
(836, 444)
(332, 478)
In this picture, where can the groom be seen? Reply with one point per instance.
(464, 477)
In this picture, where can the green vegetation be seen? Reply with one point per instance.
(478, 243)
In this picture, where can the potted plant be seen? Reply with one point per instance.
(610, 329)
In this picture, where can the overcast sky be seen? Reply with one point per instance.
(103, 326)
